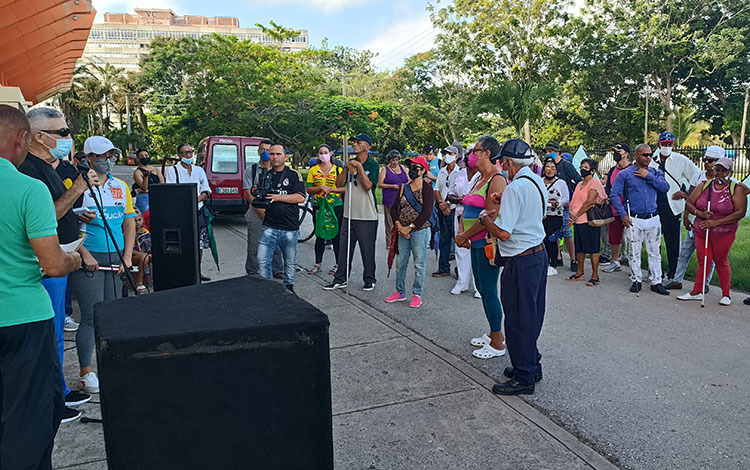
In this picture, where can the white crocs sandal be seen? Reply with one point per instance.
(481, 341)
(488, 352)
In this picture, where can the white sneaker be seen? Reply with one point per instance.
(70, 324)
(456, 291)
(726, 301)
(477, 295)
(689, 296)
(90, 383)
(613, 267)
(551, 271)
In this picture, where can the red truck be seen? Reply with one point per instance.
(224, 159)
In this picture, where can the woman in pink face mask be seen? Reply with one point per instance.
(490, 182)
(321, 182)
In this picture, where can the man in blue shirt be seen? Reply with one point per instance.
(640, 184)
(523, 282)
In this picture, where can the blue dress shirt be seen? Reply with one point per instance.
(641, 192)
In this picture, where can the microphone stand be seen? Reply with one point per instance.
(83, 168)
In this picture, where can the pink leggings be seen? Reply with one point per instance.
(718, 251)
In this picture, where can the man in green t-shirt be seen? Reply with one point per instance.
(364, 172)
(31, 388)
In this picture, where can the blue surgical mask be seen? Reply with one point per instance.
(62, 148)
(265, 157)
(188, 161)
(505, 174)
(551, 155)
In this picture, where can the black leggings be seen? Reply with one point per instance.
(552, 224)
(320, 244)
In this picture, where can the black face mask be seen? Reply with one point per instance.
(617, 157)
(413, 173)
(145, 160)
(585, 172)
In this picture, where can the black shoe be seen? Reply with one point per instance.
(512, 387)
(635, 287)
(205, 278)
(603, 260)
(74, 398)
(290, 288)
(574, 266)
(508, 372)
(674, 285)
(278, 276)
(706, 291)
(335, 285)
(368, 286)
(746, 301)
(70, 414)
(659, 289)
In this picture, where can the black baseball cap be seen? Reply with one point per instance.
(363, 138)
(552, 144)
(624, 147)
(429, 148)
(516, 148)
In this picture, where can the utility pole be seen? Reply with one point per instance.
(130, 130)
(744, 117)
(647, 93)
(346, 132)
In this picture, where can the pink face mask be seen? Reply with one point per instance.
(473, 159)
(324, 157)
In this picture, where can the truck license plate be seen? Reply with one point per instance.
(227, 191)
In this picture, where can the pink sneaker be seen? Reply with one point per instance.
(395, 297)
(416, 301)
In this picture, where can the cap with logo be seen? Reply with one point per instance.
(420, 160)
(714, 152)
(428, 148)
(725, 162)
(97, 145)
(666, 137)
(363, 138)
(623, 147)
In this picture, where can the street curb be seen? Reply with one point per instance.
(566, 439)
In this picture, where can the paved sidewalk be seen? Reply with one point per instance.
(399, 402)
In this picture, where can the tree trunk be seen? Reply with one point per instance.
(527, 131)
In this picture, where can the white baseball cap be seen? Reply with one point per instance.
(715, 152)
(98, 145)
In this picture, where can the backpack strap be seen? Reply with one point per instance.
(177, 174)
(707, 185)
(411, 199)
(544, 206)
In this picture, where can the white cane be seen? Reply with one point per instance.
(632, 251)
(348, 230)
(705, 256)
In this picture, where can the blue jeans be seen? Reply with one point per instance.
(686, 252)
(485, 277)
(447, 232)
(56, 288)
(417, 245)
(286, 240)
(142, 202)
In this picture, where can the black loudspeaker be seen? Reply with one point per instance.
(174, 235)
(232, 374)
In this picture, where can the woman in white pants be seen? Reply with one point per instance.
(460, 187)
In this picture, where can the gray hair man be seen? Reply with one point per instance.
(520, 234)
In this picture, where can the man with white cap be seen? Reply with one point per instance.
(679, 171)
(712, 155)
(100, 279)
(446, 210)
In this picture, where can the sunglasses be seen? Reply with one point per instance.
(62, 132)
(644, 154)
(709, 160)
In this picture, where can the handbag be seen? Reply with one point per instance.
(326, 222)
(600, 214)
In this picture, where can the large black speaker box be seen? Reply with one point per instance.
(174, 235)
(232, 374)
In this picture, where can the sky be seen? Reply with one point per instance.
(395, 29)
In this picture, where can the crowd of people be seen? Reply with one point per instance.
(497, 211)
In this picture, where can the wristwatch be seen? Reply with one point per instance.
(412, 226)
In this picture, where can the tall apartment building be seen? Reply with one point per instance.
(123, 38)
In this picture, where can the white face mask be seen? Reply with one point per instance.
(448, 159)
(666, 151)
(324, 157)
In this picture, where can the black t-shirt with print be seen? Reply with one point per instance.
(284, 215)
(67, 227)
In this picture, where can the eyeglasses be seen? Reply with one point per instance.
(187, 152)
(102, 157)
(62, 132)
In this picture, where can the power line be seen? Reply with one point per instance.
(411, 50)
(405, 43)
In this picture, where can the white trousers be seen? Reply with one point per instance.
(463, 262)
(649, 232)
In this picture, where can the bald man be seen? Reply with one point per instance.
(31, 387)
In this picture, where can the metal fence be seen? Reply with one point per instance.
(740, 155)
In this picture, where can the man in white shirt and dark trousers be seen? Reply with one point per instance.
(186, 172)
(678, 171)
(446, 210)
(523, 283)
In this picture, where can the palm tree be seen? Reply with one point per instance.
(518, 102)
(686, 131)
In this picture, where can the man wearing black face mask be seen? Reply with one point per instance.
(143, 176)
(621, 155)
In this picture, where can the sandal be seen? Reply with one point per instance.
(488, 352)
(333, 270)
(593, 282)
(576, 277)
(315, 269)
